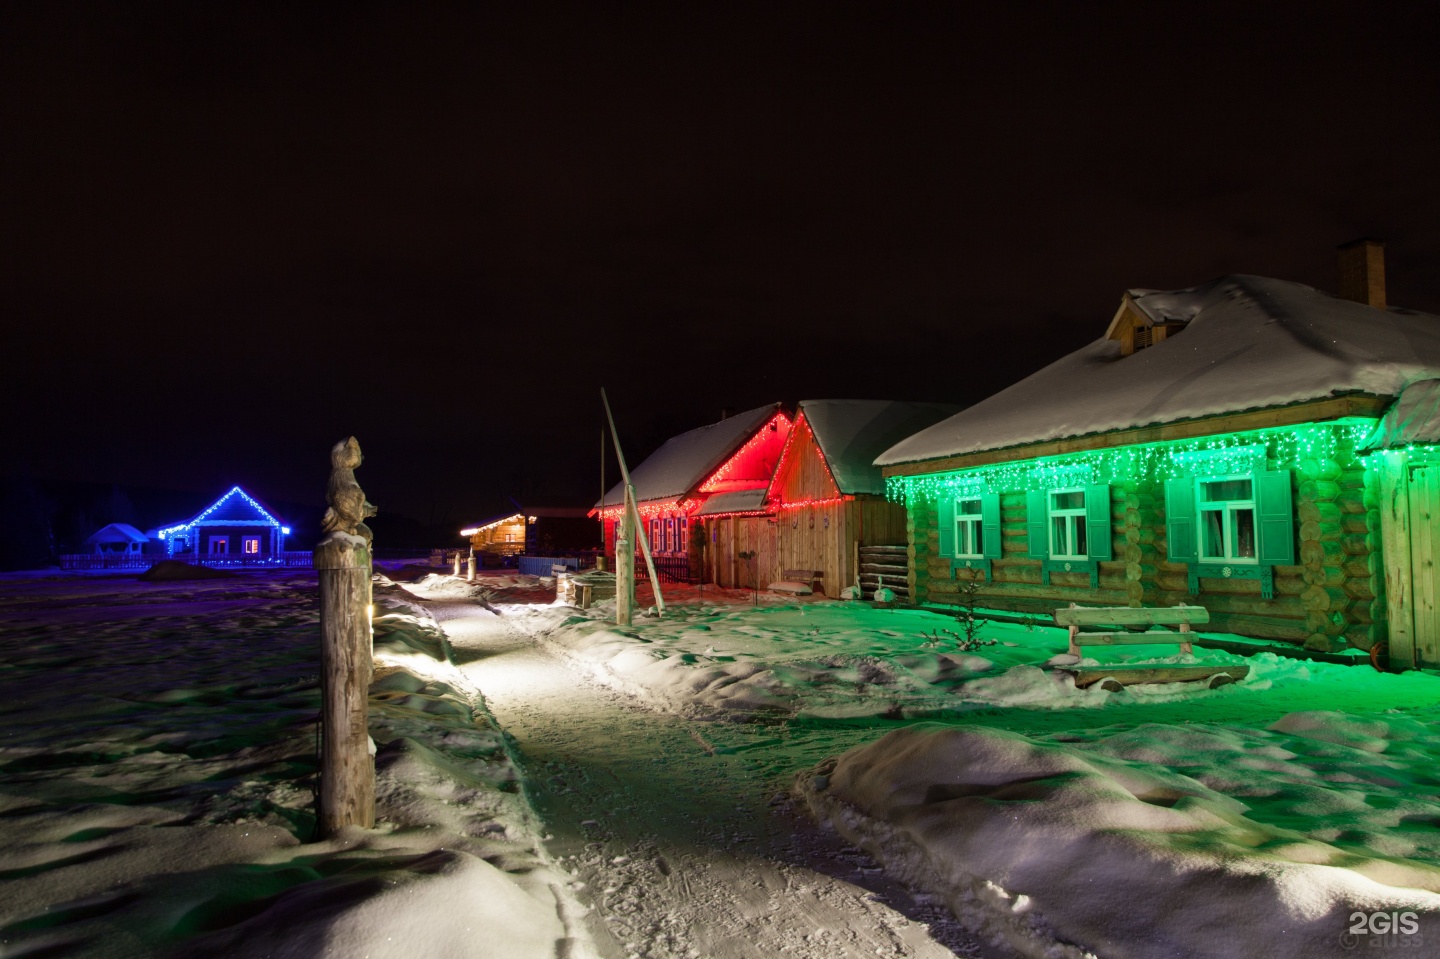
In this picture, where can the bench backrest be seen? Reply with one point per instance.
(807, 576)
(1130, 615)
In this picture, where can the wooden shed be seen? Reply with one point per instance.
(827, 497)
(1218, 445)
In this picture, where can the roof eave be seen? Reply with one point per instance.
(1325, 408)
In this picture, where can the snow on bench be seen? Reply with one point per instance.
(1113, 677)
(797, 582)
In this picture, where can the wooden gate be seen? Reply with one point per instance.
(1424, 494)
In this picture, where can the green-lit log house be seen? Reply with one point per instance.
(1221, 445)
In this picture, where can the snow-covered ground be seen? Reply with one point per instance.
(551, 785)
(715, 652)
(157, 756)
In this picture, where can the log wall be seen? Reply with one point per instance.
(1332, 598)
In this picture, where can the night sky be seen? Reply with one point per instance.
(233, 235)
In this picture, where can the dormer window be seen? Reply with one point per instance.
(1135, 329)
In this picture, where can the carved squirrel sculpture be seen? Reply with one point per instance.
(348, 505)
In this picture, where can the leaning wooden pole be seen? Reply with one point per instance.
(347, 765)
(632, 511)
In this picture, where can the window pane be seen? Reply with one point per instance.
(969, 507)
(1059, 540)
(1079, 527)
(1212, 532)
(1218, 491)
(1075, 499)
(1245, 533)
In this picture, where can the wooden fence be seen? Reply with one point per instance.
(297, 558)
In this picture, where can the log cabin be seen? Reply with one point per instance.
(535, 531)
(672, 484)
(1221, 445)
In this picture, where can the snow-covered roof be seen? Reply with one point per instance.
(851, 433)
(117, 533)
(684, 461)
(1413, 418)
(1248, 342)
(735, 501)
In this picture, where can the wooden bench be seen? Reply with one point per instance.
(797, 577)
(1113, 677)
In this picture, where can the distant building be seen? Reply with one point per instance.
(118, 538)
(235, 525)
(534, 530)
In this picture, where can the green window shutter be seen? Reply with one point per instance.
(947, 524)
(990, 525)
(1275, 519)
(1099, 544)
(1035, 516)
(1180, 545)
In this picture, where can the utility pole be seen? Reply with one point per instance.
(625, 559)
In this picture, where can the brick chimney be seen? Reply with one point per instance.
(1362, 271)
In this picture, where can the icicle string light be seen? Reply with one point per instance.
(824, 501)
(1218, 455)
(653, 508)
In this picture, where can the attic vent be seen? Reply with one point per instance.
(1144, 336)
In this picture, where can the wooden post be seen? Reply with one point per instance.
(1395, 547)
(470, 566)
(624, 566)
(342, 558)
(633, 511)
(347, 770)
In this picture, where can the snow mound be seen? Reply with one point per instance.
(1034, 841)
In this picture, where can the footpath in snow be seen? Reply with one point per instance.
(678, 833)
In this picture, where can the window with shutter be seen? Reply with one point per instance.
(1237, 526)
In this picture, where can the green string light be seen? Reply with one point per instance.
(1218, 455)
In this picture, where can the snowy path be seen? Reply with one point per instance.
(680, 829)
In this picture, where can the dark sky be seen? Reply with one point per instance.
(234, 234)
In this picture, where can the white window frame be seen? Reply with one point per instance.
(1074, 521)
(223, 542)
(977, 529)
(1228, 508)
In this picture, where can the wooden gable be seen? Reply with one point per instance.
(753, 464)
(802, 475)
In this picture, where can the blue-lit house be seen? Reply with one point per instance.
(234, 527)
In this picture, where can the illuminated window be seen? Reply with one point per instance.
(219, 545)
(1067, 524)
(682, 540)
(1227, 519)
(252, 546)
(969, 534)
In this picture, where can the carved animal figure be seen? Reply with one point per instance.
(348, 505)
